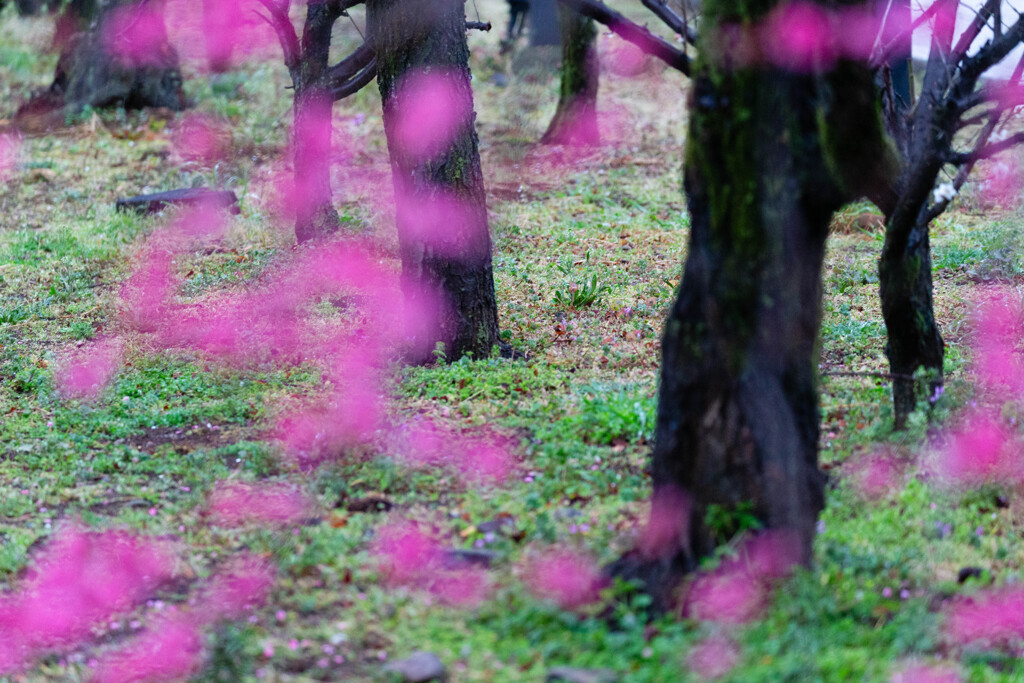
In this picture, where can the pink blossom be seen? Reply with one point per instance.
(923, 673)
(136, 34)
(668, 523)
(79, 579)
(623, 58)
(147, 290)
(430, 110)
(767, 556)
(86, 372)
(875, 476)
(200, 138)
(713, 657)
(170, 650)
(998, 329)
(405, 553)
(979, 450)
(244, 583)
(486, 461)
(798, 36)
(10, 149)
(569, 579)
(1001, 183)
(233, 503)
(726, 597)
(994, 618)
(460, 588)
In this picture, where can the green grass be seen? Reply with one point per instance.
(579, 413)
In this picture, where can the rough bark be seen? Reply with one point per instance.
(311, 144)
(450, 254)
(575, 120)
(769, 158)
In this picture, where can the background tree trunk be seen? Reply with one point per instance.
(575, 120)
(451, 253)
(315, 214)
(543, 23)
(914, 341)
(91, 71)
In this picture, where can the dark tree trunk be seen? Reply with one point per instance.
(441, 211)
(770, 156)
(575, 120)
(905, 267)
(914, 341)
(101, 67)
(543, 21)
(315, 213)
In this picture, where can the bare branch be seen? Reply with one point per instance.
(981, 18)
(634, 33)
(881, 55)
(672, 20)
(342, 89)
(986, 151)
(478, 25)
(990, 54)
(286, 35)
(346, 69)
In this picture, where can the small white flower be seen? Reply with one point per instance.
(944, 193)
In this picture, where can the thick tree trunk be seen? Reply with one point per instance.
(914, 342)
(575, 120)
(769, 158)
(441, 211)
(315, 214)
(104, 67)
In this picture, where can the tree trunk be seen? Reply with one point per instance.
(106, 67)
(543, 21)
(441, 211)
(914, 341)
(575, 120)
(769, 158)
(315, 214)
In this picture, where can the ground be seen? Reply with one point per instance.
(588, 253)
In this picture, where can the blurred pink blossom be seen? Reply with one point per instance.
(147, 291)
(726, 597)
(994, 618)
(668, 524)
(767, 556)
(569, 579)
(622, 58)
(431, 109)
(170, 650)
(713, 657)
(484, 460)
(998, 330)
(136, 34)
(980, 450)
(874, 476)
(234, 503)
(10, 150)
(798, 36)
(242, 584)
(1001, 182)
(87, 371)
(409, 557)
(405, 553)
(79, 579)
(200, 138)
(923, 673)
